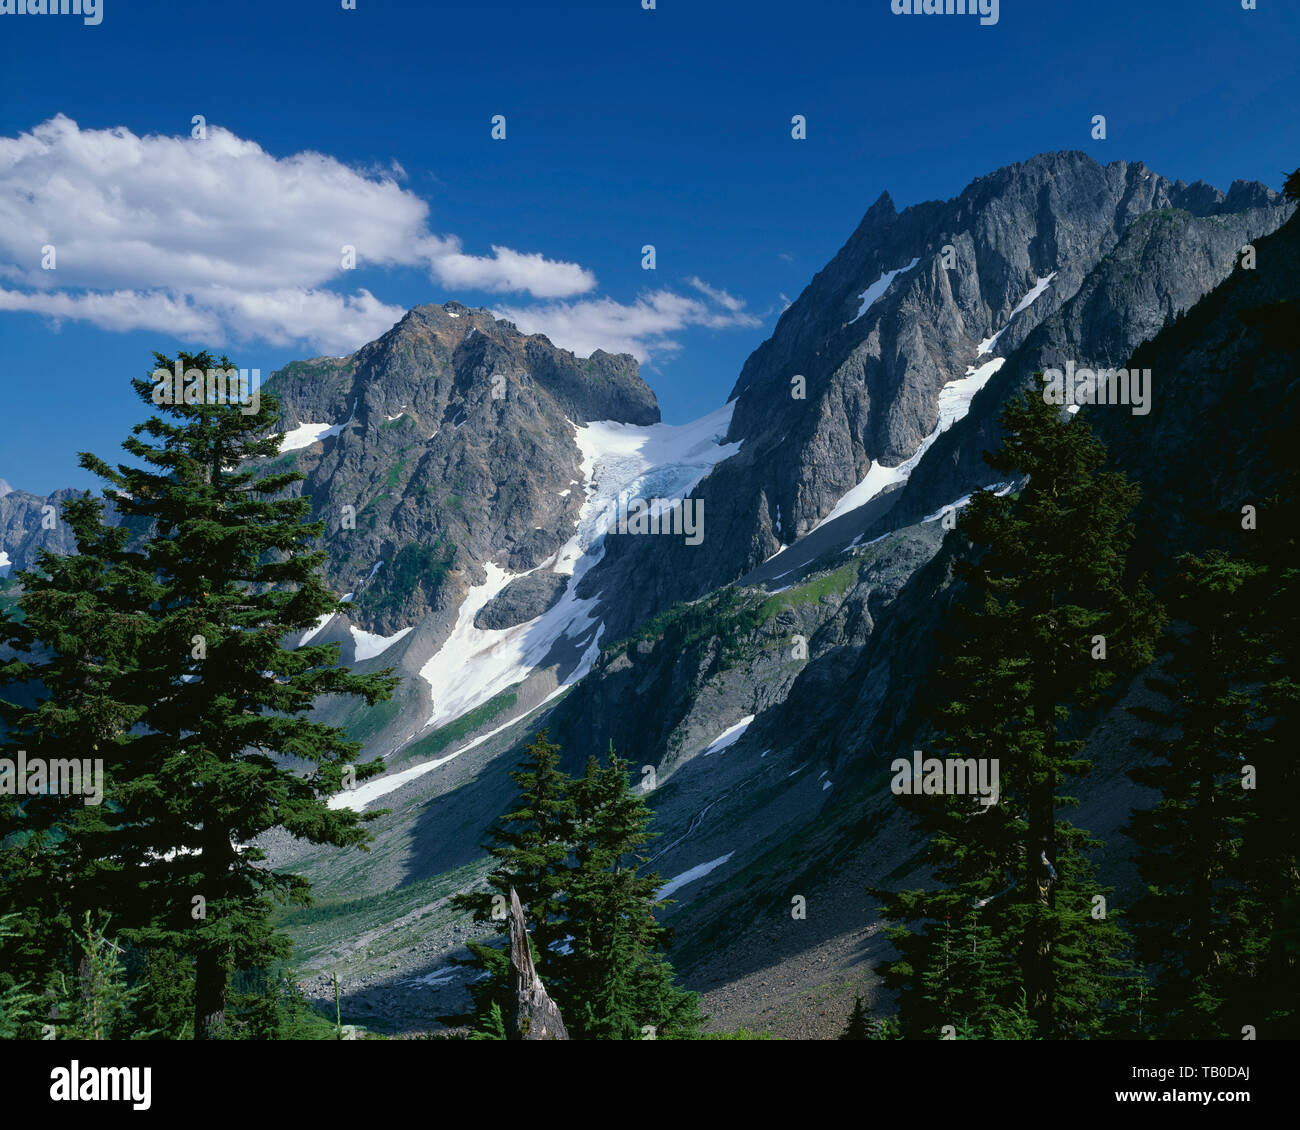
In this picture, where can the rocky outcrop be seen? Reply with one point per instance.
(30, 523)
(455, 449)
(1163, 265)
(521, 600)
(871, 373)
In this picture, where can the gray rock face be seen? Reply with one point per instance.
(1224, 412)
(873, 376)
(1163, 265)
(457, 450)
(25, 528)
(1200, 454)
(689, 673)
(521, 600)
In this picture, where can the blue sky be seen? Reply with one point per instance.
(623, 127)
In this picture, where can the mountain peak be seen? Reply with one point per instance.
(884, 206)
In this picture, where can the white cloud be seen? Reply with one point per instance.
(122, 310)
(219, 237)
(336, 323)
(219, 240)
(640, 328)
(506, 270)
(721, 297)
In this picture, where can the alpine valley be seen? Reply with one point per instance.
(476, 483)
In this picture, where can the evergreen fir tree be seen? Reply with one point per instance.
(19, 1007)
(192, 662)
(165, 1000)
(574, 849)
(1047, 597)
(74, 695)
(607, 995)
(531, 846)
(859, 1026)
(619, 972)
(1291, 187)
(965, 975)
(1194, 921)
(491, 990)
(97, 1000)
(1271, 840)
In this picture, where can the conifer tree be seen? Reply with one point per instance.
(968, 969)
(531, 846)
(73, 695)
(97, 999)
(1291, 187)
(573, 849)
(18, 1005)
(1194, 922)
(222, 572)
(165, 1000)
(859, 1026)
(607, 994)
(619, 971)
(1271, 841)
(1049, 620)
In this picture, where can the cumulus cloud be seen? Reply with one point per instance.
(219, 237)
(641, 328)
(122, 310)
(218, 240)
(506, 270)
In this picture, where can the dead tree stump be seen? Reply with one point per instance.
(536, 1016)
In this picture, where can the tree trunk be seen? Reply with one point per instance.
(536, 1016)
(1041, 886)
(212, 962)
(90, 998)
(210, 995)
